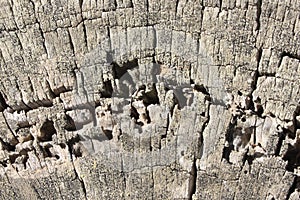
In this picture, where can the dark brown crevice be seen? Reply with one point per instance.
(22, 158)
(116, 4)
(107, 133)
(130, 4)
(47, 131)
(80, 4)
(291, 135)
(279, 144)
(77, 152)
(109, 54)
(202, 89)
(176, 102)
(60, 90)
(151, 97)
(292, 156)
(13, 157)
(260, 110)
(84, 33)
(258, 14)
(62, 145)
(7, 146)
(70, 124)
(295, 123)
(134, 114)
(46, 151)
(108, 89)
(123, 174)
(267, 74)
(71, 42)
(193, 181)
(247, 158)
(176, 7)
(229, 139)
(147, 8)
(4, 163)
(164, 136)
(256, 75)
(148, 117)
(191, 80)
(83, 187)
(51, 92)
(37, 190)
(205, 124)
(251, 105)
(119, 71)
(295, 185)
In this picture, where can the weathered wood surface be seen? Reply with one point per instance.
(149, 99)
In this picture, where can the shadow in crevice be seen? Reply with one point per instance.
(292, 156)
(119, 71)
(229, 139)
(47, 130)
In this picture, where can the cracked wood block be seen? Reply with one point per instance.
(130, 99)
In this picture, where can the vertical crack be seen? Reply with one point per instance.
(109, 55)
(293, 187)
(176, 7)
(147, 6)
(258, 14)
(71, 42)
(193, 181)
(36, 191)
(3, 104)
(229, 139)
(279, 144)
(251, 105)
(43, 38)
(21, 45)
(83, 186)
(80, 4)
(258, 59)
(152, 179)
(84, 33)
(201, 138)
(76, 173)
(201, 27)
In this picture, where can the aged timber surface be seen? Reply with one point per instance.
(150, 99)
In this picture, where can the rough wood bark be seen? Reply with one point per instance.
(149, 99)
